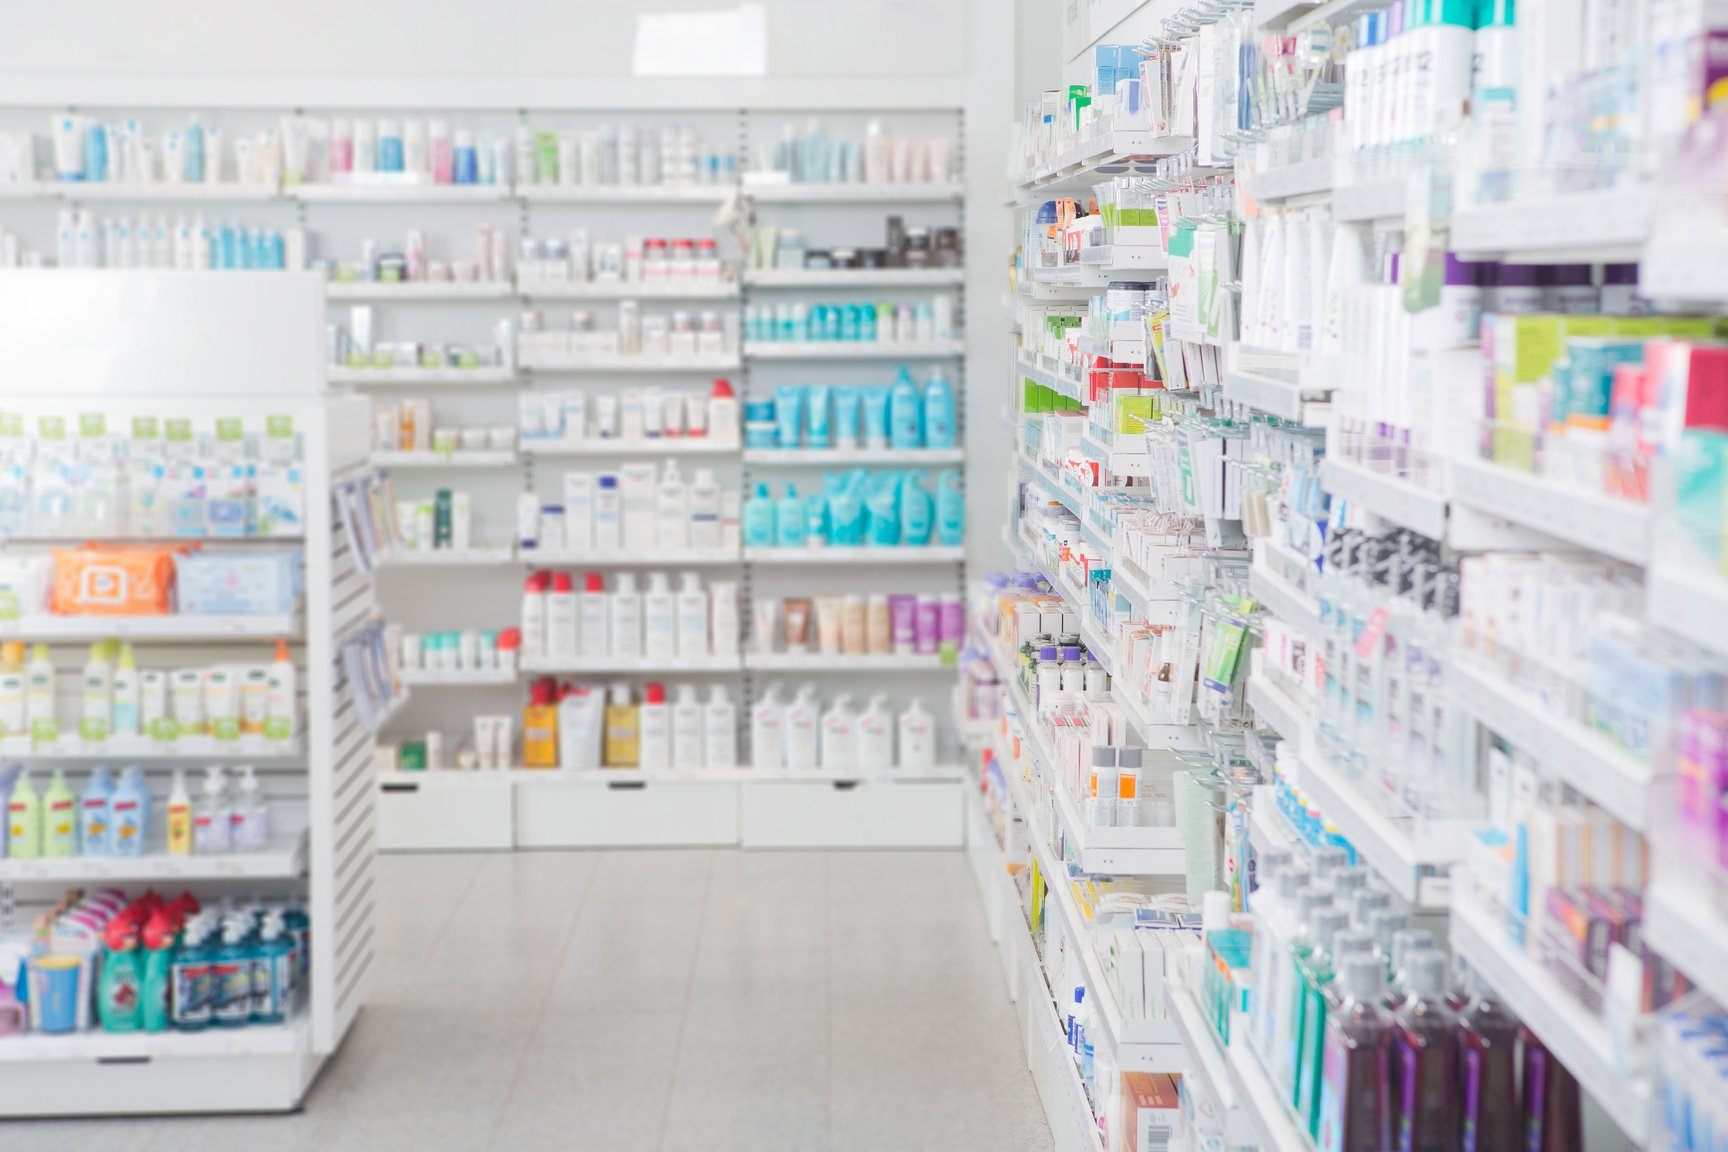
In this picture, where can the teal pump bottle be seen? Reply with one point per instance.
(789, 520)
(759, 519)
(121, 985)
(905, 413)
(273, 974)
(158, 956)
(189, 978)
(939, 422)
(916, 510)
(950, 509)
(299, 928)
(231, 977)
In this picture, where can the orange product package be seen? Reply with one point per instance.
(103, 580)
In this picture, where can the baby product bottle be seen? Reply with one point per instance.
(839, 741)
(129, 813)
(94, 830)
(875, 735)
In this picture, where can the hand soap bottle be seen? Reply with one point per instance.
(905, 413)
(839, 739)
(623, 739)
(917, 737)
(95, 833)
(179, 816)
(789, 520)
(767, 732)
(875, 736)
(939, 431)
(802, 726)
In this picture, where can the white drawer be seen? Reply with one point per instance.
(445, 811)
(863, 813)
(596, 813)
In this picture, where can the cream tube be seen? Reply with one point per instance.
(505, 751)
(797, 623)
(767, 621)
(828, 624)
(486, 742)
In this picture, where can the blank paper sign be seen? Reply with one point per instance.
(733, 43)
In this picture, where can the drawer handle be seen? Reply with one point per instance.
(627, 785)
(122, 1059)
(844, 785)
(401, 787)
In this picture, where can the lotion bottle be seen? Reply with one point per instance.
(179, 817)
(623, 732)
(719, 730)
(704, 521)
(655, 724)
(560, 618)
(802, 725)
(95, 815)
(686, 729)
(593, 631)
(24, 820)
(767, 732)
(1426, 1042)
(126, 693)
(59, 818)
(626, 618)
(39, 695)
(534, 615)
(659, 619)
(692, 618)
(917, 737)
(875, 735)
(839, 739)
(674, 511)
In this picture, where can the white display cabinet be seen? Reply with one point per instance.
(134, 343)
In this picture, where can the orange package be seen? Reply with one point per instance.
(101, 580)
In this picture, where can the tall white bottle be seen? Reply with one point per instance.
(626, 618)
(917, 737)
(672, 510)
(659, 619)
(839, 734)
(654, 727)
(767, 731)
(719, 730)
(875, 735)
(561, 618)
(686, 729)
(704, 519)
(692, 618)
(534, 615)
(803, 727)
(593, 623)
(723, 599)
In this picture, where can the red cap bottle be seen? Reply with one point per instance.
(654, 692)
(561, 582)
(593, 582)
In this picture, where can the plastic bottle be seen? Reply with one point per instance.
(250, 820)
(905, 413)
(1553, 1115)
(917, 511)
(686, 730)
(156, 960)
(129, 813)
(534, 593)
(1352, 1112)
(95, 814)
(759, 519)
(59, 814)
(212, 820)
(693, 615)
(272, 971)
(673, 509)
(875, 735)
(560, 616)
(790, 520)
(659, 619)
(939, 421)
(281, 708)
(1317, 974)
(626, 618)
(950, 509)
(839, 734)
(767, 732)
(299, 927)
(39, 711)
(1488, 1069)
(593, 623)
(803, 730)
(97, 717)
(120, 987)
(719, 730)
(917, 737)
(655, 721)
(1426, 1040)
(231, 977)
(179, 817)
(623, 729)
(190, 976)
(125, 711)
(1288, 986)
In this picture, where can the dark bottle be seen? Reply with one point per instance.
(1553, 1121)
(1353, 1116)
(1426, 1042)
(1487, 1073)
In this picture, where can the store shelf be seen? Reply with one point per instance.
(1050, 378)
(1605, 524)
(284, 858)
(160, 192)
(1607, 226)
(421, 377)
(1125, 258)
(626, 193)
(1263, 1105)
(790, 193)
(683, 289)
(423, 290)
(837, 457)
(659, 446)
(641, 558)
(1686, 264)
(451, 558)
(1684, 924)
(1296, 389)
(621, 364)
(1576, 1036)
(853, 350)
(400, 193)
(1568, 749)
(1370, 200)
(290, 1039)
(819, 662)
(247, 749)
(926, 554)
(1307, 178)
(178, 626)
(451, 678)
(1106, 154)
(855, 277)
(670, 665)
(1208, 1066)
(463, 458)
(1387, 497)
(1116, 851)
(1282, 598)
(1280, 711)
(1689, 603)
(1408, 854)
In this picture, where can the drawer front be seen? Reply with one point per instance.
(853, 814)
(625, 813)
(470, 812)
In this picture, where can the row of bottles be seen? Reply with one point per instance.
(882, 509)
(661, 623)
(114, 819)
(582, 726)
(797, 734)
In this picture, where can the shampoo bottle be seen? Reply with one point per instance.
(623, 733)
(673, 509)
(655, 723)
(759, 519)
(659, 619)
(179, 817)
(917, 737)
(1426, 1042)
(534, 594)
(1352, 1116)
(789, 520)
(95, 830)
(905, 413)
(839, 738)
(249, 820)
(59, 818)
(121, 985)
(560, 613)
(12, 689)
(130, 812)
(158, 941)
(916, 510)
(767, 732)
(281, 692)
(126, 697)
(875, 735)
(939, 430)
(719, 730)
(626, 618)
(686, 730)
(692, 618)
(593, 625)
(950, 509)
(39, 695)
(24, 820)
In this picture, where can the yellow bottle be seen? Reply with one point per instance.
(623, 730)
(540, 727)
(179, 817)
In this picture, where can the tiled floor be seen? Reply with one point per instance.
(688, 1000)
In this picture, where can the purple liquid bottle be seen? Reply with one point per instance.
(1487, 1073)
(1426, 1043)
(1353, 1117)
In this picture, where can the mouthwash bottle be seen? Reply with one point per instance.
(231, 977)
(1488, 1068)
(1426, 1041)
(189, 977)
(1317, 975)
(1352, 1112)
(272, 971)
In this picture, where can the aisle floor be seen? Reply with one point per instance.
(685, 1000)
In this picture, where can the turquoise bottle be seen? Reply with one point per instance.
(789, 519)
(157, 957)
(758, 518)
(299, 929)
(905, 413)
(917, 510)
(939, 422)
(189, 977)
(950, 509)
(273, 973)
(231, 977)
(120, 988)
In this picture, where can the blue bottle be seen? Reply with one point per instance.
(789, 520)
(866, 324)
(917, 510)
(299, 928)
(95, 814)
(950, 508)
(129, 814)
(882, 502)
(905, 413)
(831, 322)
(231, 977)
(194, 152)
(816, 520)
(758, 518)
(272, 971)
(96, 151)
(939, 430)
(189, 978)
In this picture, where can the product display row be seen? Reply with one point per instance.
(783, 249)
(109, 819)
(634, 414)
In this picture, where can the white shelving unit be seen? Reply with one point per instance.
(853, 350)
(626, 289)
(421, 377)
(418, 291)
(322, 816)
(854, 277)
